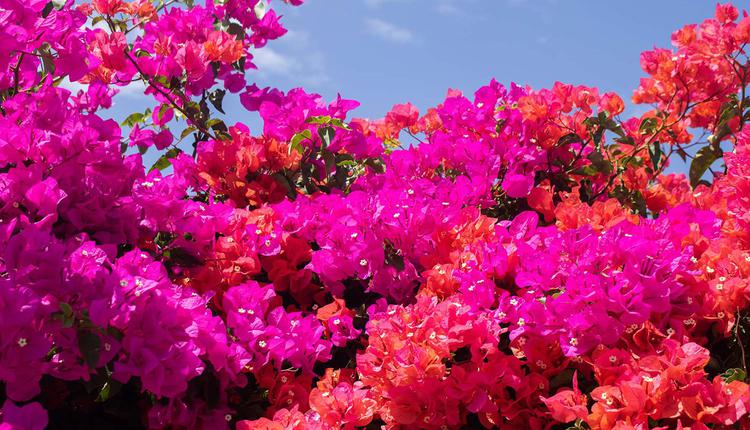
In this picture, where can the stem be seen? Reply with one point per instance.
(739, 340)
(201, 127)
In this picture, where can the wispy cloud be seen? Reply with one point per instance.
(463, 8)
(388, 31)
(271, 61)
(377, 3)
(295, 59)
(447, 8)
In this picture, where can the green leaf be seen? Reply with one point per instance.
(654, 151)
(296, 143)
(601, 164)
(89, 344)
(66, 309)
(133, 119)
(568, 139)
(217, 125)
(326, 135)
(162, 110)
(337, 122)
(104, 392)
(260, 9)
(323, 119)
(735, 374)
(217, 98)
(648, 125)
(187, 131)
(166, 159)
(47, 9)
(702, 161)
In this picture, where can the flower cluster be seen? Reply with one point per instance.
(525, 263)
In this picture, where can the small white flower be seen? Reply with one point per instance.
(22, 342)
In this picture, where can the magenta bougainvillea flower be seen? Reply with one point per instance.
(527, 264)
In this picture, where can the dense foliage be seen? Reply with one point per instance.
(527, 264)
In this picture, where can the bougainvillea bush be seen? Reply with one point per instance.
(515, 259)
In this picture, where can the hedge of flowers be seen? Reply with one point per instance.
(515, 259)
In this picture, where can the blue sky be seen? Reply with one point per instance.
(383, 52)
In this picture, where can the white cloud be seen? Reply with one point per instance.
(306, 67)
(387, 31)
(73, 87)
(447, 8)
(271, 61)
(133, 90)
(378, 3)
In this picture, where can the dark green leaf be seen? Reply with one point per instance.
(187, 131)
(654, 151)
(599, 163)
(702, 161)
(217, 99)
(90, 345)
(568, 139)
(47, 9)
(296, 143)
(648, 125)
(324, 119)
(166, 159)
(66, 309)
(133, 119)
(326, 135)
(217, 125)
(735, 374)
